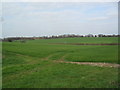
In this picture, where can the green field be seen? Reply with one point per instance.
(32, 64)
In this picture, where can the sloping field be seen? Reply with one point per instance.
(36, 64)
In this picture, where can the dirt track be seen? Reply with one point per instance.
(93, 64)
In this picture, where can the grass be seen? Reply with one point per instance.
(0, 64)
(30, 64)
(80, 40)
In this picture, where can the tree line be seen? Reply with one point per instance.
(22, 39)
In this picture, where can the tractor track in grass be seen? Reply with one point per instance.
(48, 57)
(61, 60)
(100, 64)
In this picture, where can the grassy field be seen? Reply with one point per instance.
(31, 64)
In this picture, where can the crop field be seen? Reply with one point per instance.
(45, 63)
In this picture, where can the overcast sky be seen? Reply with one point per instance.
(43, 18)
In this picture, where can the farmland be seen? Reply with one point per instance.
(36, 63)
